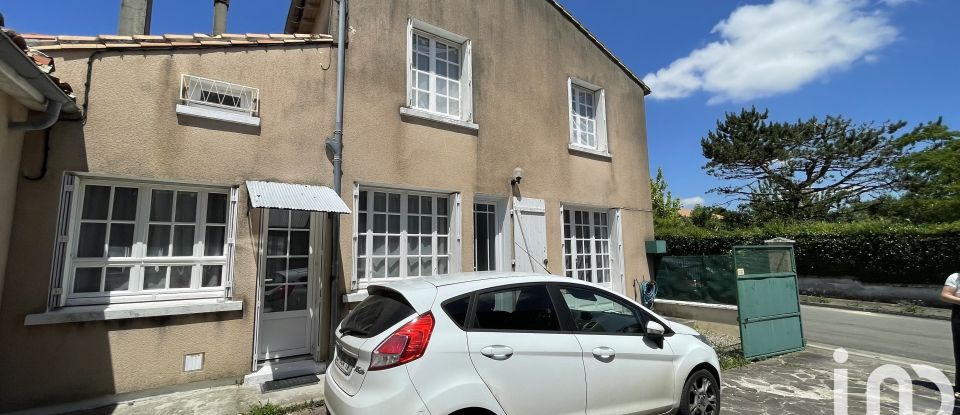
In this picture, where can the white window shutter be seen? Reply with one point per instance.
(467, 93)
(231, 241)
(409, 63)
(602, 144)
(354, 278)
(67, 190)
(618, 282)
(456, 233)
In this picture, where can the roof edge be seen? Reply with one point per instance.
(603, 48)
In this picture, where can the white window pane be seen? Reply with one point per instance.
(213, 241)
(413, 223)
(441, 51)
(379, 202)
(441, 87)
(299, 219)
(121, 240)
(441, 68)
(183, 240)
(297, 297)
(413, 246)
(275, 271)
(180, 277)
(453, 72)
(96, 200)
(91, 240)
(216, 208)
(379, 245)
(212, 275)
(161, 205)
(423, 81)
(393, 268)
(453, 54)
(279, 218)
(87, 280)
(276, 242)
(158, 240)
(423, 44)
(300, 243)
(442, 266)
(379, 267)
(413, 267)
(454, 108)
(441, 104)
(124, 203)
(154, 277)
(426, 266)
(118, 279)
(186, 207)
(379, 223)
(393, 244)
(442, 245)
(454, 88)
(423, 100)
(422, 62)
(426, 245)
(426, 204)
(298, 270)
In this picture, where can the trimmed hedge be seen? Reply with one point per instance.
(874, 251)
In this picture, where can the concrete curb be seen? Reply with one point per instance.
(877, 308)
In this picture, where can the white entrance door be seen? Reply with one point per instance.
(288, 279)
(530, 235)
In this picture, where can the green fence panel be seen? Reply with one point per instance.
(768, 300)
(704, 279)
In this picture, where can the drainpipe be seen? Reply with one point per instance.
(220, 8)
(50, 117)
(335, 144)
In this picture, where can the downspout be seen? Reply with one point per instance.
(335, 144)
(50, 117)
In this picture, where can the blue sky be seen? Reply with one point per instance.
(872, 60)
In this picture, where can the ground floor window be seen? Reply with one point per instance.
(402, 234)
(486, 229)
(130, 241)
(586, 245)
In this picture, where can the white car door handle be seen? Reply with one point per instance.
(604, 353)
(497, 352)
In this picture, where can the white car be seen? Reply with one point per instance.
(510, 343)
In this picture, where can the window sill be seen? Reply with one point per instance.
(75, 314)
(213, 114)
(355, 297)
(589, 151)
(437, 118)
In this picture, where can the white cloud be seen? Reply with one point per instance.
(778, 47)
(692, 202)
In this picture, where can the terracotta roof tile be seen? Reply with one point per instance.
(114, 37)
(47, 42)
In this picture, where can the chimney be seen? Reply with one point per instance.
(135, 17)
(220, 16)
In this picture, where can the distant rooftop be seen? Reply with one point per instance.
(51, 42)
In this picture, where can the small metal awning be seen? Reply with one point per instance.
(295, 197)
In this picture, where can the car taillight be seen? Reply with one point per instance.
(405, 345)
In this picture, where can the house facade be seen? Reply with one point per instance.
(183, 230)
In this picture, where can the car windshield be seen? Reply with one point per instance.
(378, 312)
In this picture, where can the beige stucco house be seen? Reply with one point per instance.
(183, 230)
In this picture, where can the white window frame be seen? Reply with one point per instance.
(64, 295)
(601, 144)
(503, 257)
(454, 239)
(437, 34)
(613, 244)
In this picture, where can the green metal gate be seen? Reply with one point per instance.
(768, 300)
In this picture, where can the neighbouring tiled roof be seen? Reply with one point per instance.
(48, 42)
(43, 61)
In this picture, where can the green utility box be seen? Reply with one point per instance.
(657, 247)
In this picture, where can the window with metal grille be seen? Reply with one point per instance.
(219, 95)
(586, 245)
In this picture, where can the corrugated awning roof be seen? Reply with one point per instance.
(295, 197)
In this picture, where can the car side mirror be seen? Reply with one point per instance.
(655, 330)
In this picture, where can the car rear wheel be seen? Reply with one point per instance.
(701, 394)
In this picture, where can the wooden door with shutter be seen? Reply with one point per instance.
(530, 235)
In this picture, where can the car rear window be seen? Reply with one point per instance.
(457, 310)
(378, 312)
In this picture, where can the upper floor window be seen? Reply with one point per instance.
(439, 76)
(209, 98)
(588, 129)
(135, 241)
